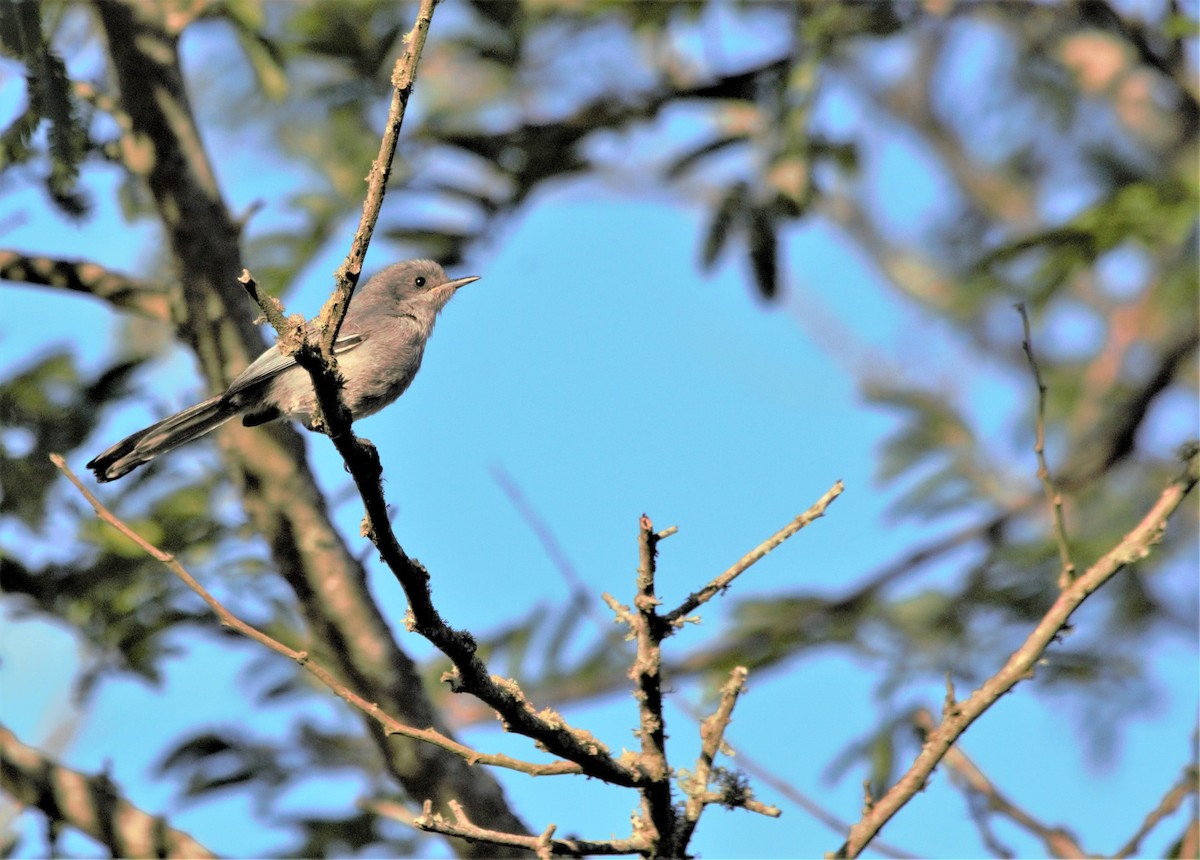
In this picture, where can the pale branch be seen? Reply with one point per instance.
(543, 845)
(712, 736)
(90, 804)
(1134, 546)
(1053, 497)
(390, 725)
(677, 616)
(1058, 841)
(1186, 785)
(82, 276)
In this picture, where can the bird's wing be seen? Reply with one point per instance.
(273, 362)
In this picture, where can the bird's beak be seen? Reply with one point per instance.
(460, 282)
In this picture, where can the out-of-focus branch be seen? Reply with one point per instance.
(1057, 841)
(1175, 796)
(81, 276)
(91, 804)
(1136, 545)
(302, 658)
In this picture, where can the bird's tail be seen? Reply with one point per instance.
(168, 434)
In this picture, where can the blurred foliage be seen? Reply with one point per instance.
(49, 103)
(1065, 136)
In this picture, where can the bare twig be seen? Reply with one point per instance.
(677, 616)
(1057, 840)
(712, 740)
(1132, 547)
(92, 804)
(403, 75)
(544, 845)
(1053, 496)
(302, 658)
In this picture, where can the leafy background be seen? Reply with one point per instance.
(731, 252)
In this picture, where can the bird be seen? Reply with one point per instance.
(379, 351)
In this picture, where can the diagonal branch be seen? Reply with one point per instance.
(1186, 785)
(91, 804)
(390, 724)
(1132, 547)
(678, 615)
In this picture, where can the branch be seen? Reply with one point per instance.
(544, 845)
(677, 616)
(403, 76)
(712, 740)
(91, 804)
(1053, 496)
(1135, 546)
(227, 619)
(657, 821)
(1184, 786)
(81, 276)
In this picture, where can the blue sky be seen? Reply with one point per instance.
(595, 365)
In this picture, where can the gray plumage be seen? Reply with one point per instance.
(379, 352)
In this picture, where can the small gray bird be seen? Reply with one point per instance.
(379, 352)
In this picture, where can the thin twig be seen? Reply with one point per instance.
(302, 658)
(677, 616)
(1132, 547)
(1058, 841)
(763, 774)
(404, 74)
(712, 740)
(1053, 496)
(543, 844)
(712, 735)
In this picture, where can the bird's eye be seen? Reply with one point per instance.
(420, 280)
